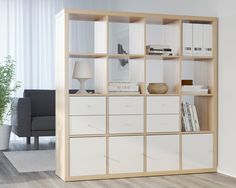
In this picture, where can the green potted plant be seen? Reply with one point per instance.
(7, 87)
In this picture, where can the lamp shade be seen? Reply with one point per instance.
(82, 70)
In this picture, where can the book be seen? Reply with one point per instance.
(189, 117)
(185, 116)
(192, 117)
(196, 118)
(123, 87)
(199, 89)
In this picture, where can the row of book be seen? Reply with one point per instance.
(190, 121)
(159, 50)
(123, 87)
(200, 89)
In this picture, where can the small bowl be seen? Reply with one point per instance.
(157, 88)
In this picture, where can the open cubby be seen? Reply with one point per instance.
(201, 72)
(205, 108)
(164, 71)
(164, 32)
(126, 70)
(88, 35)
(128, 32)
(98, 82)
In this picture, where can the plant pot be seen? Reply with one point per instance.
(5, 131)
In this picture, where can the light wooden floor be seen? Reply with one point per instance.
(10, 178)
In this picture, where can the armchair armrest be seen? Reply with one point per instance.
(21, 117)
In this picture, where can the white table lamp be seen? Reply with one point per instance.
(82, 72)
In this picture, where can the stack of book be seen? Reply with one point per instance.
(197, 89)
(123, 88)
(190, 121)
(159, 50)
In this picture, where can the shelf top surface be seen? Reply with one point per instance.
(131, 16)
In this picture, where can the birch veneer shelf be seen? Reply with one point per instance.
(105, 135)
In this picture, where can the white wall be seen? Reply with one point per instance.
(227, 87)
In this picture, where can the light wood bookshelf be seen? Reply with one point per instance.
(102, 54)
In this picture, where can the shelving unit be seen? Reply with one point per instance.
(106, 135)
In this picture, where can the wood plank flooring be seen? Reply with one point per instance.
(10, 178)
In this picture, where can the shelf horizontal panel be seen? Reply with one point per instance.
(167, 94)
(87, 55)
(197, 94)
(162, 57)
(198, 132)
(197, 58)
(125, 19)
(87, 95)
(126, 56)
(86, 17)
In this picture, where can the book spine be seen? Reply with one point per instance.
(123, 88)
(196, 118)
(189, 117)
(192, 117)
(187, 127)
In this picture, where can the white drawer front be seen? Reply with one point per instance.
(87, 105)
(163, 153)
(163, 123)
(126, 105)
(126, 124)
(87, 156)
(163, 105)
(87, 125)
(197, 151)
(126, 154)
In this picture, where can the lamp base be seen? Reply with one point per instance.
(82, 86)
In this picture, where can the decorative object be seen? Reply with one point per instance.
(159, 50)
(120, 49)
(157, 88)
(7, 87)
(187, 82)
(82, 72)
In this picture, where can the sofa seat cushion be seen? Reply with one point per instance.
(42, 123)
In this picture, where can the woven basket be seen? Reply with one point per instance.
(157, 88)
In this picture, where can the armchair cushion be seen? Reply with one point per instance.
(43, 123)
(42, 102)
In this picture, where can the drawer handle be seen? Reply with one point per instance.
(127, 124)
(127, 106)
(112, 159)
(94, 127)
(163, 105)
(89, 106)
(163, 123)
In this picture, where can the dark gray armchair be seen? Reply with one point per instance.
(34, 115)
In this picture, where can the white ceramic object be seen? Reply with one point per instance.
(5, 131)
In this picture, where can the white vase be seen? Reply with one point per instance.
(5, 131)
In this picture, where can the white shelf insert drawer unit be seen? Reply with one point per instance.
(126, 154)
(87, 156)
(163, 123)
(163, 153)
(87, 106)
(126, 124)
(197, 151)
(163, 105)
(125, 105)
(87, 125)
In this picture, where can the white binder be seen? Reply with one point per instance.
(207, 39)
(187, 39)
(197, 40)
